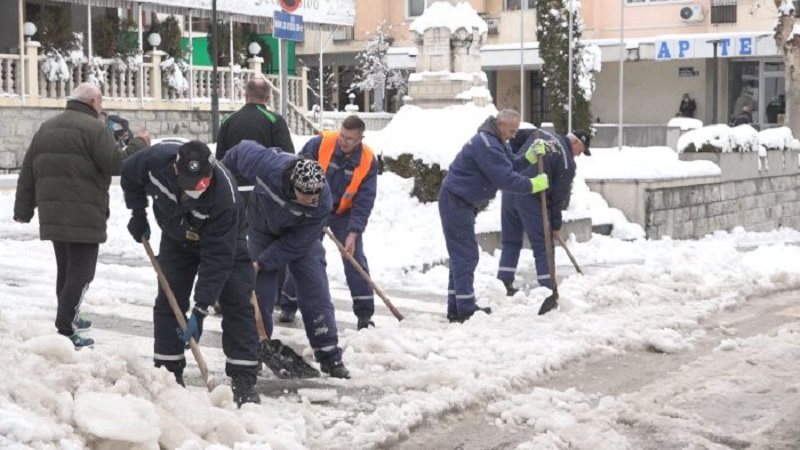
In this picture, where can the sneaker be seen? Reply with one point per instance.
(81, 323)
(287, 316)
(244, 390)
(335, 369)
(364, 322)
(80, 342)
(510, 289)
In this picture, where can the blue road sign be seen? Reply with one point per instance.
(287, 26)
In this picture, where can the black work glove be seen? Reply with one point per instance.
(194, 326)
(138, 226)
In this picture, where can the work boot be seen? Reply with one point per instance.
(80, 342)
(335, 369)
(244, 391)
(287, 316)
(217, 308)
(364, 322)
(510, 289)
(81, 323)
(179, 379)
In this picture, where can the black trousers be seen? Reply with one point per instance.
(76, 264)
(180, 263)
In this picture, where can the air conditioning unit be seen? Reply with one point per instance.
(692, 13)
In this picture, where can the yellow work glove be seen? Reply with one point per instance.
(539, 183)
(534, 151)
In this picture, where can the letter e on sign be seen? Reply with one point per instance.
(290, 5)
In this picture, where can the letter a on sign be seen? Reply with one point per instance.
(290, 5)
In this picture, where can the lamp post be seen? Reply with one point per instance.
(29, 29)
(254, 48)
(214, 78)
(715, 43)
(570, 70)
(154, 39)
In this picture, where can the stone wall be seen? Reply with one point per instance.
(20, 124)
(690, 212)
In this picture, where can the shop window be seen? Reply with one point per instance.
(743, 87)
(415, 8)
(514, 5)
(541, 110)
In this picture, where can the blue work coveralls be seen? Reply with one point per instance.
(483, 166)
(284, 232)
(522, 214)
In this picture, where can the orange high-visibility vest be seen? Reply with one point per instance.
(326, 149)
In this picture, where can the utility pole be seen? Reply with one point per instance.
(214, 77)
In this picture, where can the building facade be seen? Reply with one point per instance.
(667, 48)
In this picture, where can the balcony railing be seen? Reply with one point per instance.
(147, 84)
(723, 11)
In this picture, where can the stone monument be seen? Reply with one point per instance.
(449, 36)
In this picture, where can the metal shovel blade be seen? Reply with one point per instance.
(284, 362)
(549, 303)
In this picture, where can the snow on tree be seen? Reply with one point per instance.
(374, 73)
(552, 32)
(787, 38)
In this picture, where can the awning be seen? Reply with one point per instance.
(334, 12)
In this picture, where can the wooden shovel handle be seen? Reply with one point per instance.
(173, 303)
(364, 274)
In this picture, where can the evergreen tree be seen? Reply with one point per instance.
(788, 41)
(552, 32)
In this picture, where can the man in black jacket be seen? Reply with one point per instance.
(202, 220)
(66, 173)
(253, 122)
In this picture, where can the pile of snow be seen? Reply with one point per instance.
(434, 136)
(641, 163)
(742, 138)
(685, 123)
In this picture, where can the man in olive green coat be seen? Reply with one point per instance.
(66, 173)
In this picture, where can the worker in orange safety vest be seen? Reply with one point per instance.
(351, 171)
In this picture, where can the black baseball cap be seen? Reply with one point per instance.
(195, 165)
(585, 137)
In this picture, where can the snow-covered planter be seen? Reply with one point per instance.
(59, 65)
(742, 152)
(719, 139)
(98, 71)
(174, 75)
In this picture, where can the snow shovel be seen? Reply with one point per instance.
(364, 274)
(569, 253)
(162, 280)
(284, 362)
(551, 301)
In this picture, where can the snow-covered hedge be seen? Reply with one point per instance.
(743, 138)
